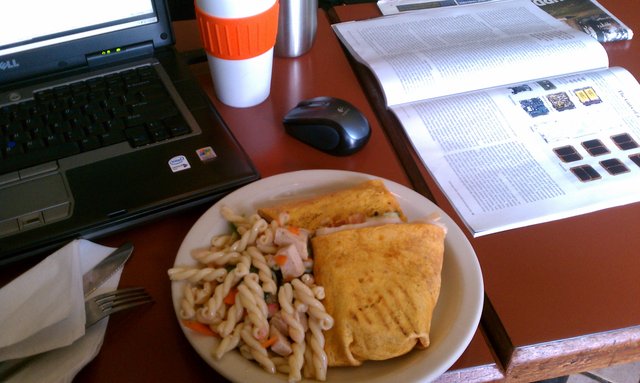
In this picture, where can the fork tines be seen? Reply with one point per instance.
(106, 304)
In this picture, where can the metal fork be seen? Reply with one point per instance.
(103, 305)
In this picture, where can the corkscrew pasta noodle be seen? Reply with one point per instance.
(236, 290)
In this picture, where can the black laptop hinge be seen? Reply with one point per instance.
(116, 54)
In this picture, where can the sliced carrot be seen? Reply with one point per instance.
(280, 259)
(231, 297)
(199, 327)
(294, 230)
(269, 342)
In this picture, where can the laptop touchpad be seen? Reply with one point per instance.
(35, 202)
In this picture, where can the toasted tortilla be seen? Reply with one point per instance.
(381, 286)
(365, 200)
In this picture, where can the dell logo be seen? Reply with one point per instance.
(9, 64)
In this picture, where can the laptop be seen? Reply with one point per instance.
(102, 126)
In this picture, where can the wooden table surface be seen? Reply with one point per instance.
(563, 297)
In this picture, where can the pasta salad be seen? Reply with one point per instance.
(254, 290)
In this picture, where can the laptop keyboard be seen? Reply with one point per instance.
(132, 106)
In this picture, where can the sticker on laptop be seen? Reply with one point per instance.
(206, 154)
(179, 163)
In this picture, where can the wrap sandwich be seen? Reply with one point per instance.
(381, 275)
(365, 201)
(381, 286)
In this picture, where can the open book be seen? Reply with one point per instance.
(515, 114)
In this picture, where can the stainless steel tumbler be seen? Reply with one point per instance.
(297, 24)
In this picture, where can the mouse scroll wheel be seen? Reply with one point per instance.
(316, 104)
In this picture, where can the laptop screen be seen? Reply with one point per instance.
(65, 20)
(63, 34)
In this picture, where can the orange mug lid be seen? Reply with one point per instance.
(238, 38)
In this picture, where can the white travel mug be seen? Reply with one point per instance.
(239, 36)
(298, 22)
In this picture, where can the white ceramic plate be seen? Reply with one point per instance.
(456, 316)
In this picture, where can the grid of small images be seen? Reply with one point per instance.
(558, 100)
(595, 148)
(555, 100)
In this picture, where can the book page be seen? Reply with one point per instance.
(587, 16)
(534, 151)
(438, 52)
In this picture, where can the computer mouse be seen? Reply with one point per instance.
(330, 124)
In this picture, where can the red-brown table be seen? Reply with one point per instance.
(562, 297)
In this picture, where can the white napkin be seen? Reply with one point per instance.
(43, 313)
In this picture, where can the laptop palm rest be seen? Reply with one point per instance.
(34, 203)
